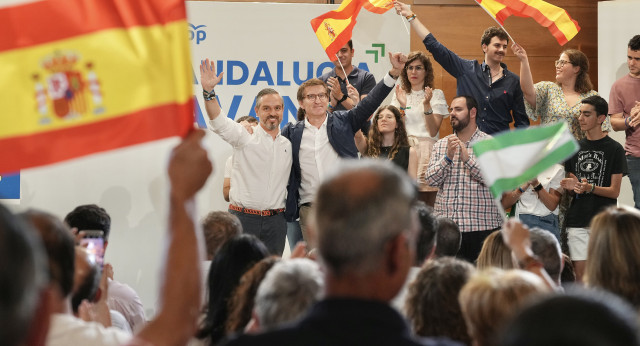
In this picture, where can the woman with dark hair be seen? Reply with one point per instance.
(243, 299)
(559, 100)
(614, 253)
(424, 109)
(388, 140)
(233, 259)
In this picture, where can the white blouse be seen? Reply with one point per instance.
(414, 114)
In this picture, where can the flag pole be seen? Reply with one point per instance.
(496, 19)
(500, 209)
(346, 78)
(405, 25)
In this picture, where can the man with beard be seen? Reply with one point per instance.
(261, 162)
(492, 85)
(463, 196)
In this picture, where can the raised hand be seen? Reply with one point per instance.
(353, 93)
(519, 52)
(334, 87)
(189, 166)
(208, 77)
(402, 9)
(397, 61)
(428, 94)
(401, 96)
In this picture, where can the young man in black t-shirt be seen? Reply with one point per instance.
(594, 177)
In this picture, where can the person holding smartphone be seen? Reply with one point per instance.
(93, 225)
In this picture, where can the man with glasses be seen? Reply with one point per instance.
(496, 89)
(321, 140)
(261, 162)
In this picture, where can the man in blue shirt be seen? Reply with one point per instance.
(496, 89)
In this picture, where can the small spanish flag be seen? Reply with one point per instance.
(84, 76)
(334, 28)
(556, 19)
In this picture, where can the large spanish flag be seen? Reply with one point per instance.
(334, 28)
(84, 76)
(552, 17)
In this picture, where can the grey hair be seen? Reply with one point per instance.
(364, 204)
(546, 246)
(288, 290)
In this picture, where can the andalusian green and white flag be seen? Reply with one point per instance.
(512, 158)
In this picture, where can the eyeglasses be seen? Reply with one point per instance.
(417, 68)
(313, 97)
(560, 63)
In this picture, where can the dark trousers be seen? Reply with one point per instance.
(271, 230)
(472, 244)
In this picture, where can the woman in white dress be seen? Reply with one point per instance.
(424, 109)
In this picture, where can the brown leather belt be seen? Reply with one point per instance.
(269, 212)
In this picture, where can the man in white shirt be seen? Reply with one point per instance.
(261, 162)
(321, 139)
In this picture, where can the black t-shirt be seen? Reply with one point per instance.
(401, 159)
(596, 161)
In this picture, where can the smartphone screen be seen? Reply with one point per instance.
(93, 241)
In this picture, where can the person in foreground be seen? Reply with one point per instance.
(180, 287)
(366, 227)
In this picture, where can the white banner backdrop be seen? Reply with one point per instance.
(258, 45)
(613, 40)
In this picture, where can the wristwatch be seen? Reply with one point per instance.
(344, 97)
(429, 112)
(537, 188)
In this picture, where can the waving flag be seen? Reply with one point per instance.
(511, 158)
(334, 28)
(552, 17)
(84, 76)
(378, 6)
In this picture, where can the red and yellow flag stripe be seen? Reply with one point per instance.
(378, 6)
(498, 11)
(83, 76)
(556, 19)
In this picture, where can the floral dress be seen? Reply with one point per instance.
(552, 107)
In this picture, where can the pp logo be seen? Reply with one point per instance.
(199, 35)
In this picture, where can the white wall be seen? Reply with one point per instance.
(615, 28)
(131, 183)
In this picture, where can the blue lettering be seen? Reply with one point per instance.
(195, 78)
(325, 65)
(280, 74)
(363, 66)
(296, 72)
(233, 109)
(230, 70)
(257, 76)
(201, 36)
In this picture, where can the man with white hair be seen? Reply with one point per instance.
(287, 292)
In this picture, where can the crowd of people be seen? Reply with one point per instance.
(402, 241)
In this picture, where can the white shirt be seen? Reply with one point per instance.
(125, 300)
(414, 114)
(66, 330)
(529, 203)
(227, 167)
(261, 165)
(317, 157)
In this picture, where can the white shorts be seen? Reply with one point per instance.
(578, 241)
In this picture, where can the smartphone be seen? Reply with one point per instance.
(93, 241)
